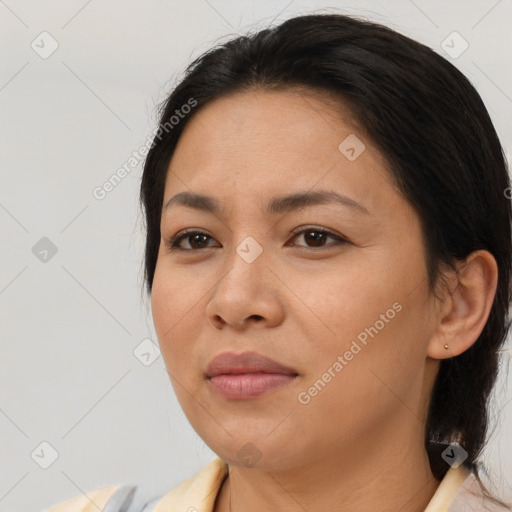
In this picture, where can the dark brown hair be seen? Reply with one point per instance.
(440, 145)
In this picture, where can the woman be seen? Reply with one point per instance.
(328, 256)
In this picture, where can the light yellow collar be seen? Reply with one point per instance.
(447, 489)
(198, 493)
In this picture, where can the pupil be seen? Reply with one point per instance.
(316, 239)
(195, 237)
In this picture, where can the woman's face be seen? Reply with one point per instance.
(349, 311)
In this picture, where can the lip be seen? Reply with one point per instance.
(231, 363)
(247, 375)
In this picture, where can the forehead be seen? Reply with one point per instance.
(256, 143)
(268, 122)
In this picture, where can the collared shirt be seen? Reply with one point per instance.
(458, 492)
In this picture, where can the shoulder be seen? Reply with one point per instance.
(197, 493)
(200, 489)
(112, 498)
(470, 498)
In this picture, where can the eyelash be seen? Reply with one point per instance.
(173, 243)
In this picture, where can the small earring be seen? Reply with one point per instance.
(446, 347)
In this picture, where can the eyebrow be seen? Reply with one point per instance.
(276, 205)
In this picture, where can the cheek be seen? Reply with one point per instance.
(341, 305)
(161, 302)
(377, 327)
(173, 297)
(177, 304)
(168, 309)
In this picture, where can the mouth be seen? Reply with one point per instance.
(243, 386)
(247, 375)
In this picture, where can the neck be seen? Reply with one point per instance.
(378, 480)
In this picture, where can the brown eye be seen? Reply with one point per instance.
(315, 237)
(197, 240)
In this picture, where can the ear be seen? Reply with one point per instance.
(466, 303)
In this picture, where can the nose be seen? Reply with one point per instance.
(247, 293)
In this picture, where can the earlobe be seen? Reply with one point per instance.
(466, 304)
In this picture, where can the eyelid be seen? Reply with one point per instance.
(176, 239)
(301, 229)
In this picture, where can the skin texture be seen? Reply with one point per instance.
(359, 443)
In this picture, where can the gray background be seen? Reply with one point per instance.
(71, 323)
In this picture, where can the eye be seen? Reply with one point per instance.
(317, 236)
(198, 239)
(194, 238)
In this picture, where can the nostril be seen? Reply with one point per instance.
(218, 318)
